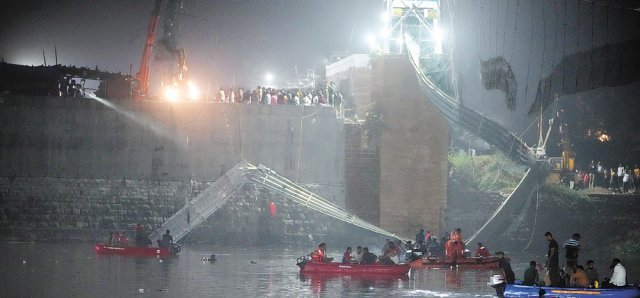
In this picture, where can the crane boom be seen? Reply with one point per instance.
(143, 73)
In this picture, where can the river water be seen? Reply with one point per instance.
(74, 270)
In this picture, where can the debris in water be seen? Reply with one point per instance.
(140, 291)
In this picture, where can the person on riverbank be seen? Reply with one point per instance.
(552, 263)
(531, 276)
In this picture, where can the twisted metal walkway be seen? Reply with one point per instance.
(215, 196)
(491, 131)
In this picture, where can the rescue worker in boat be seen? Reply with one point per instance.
(455, 246)
(346, 256)
(531, 276)
(389, 257)
(368, 258)
(120, 239)
(142, 239)
(482, 251)
(503, 263)
(167, 240)
(319, 255)
(359, 254)
(579, 278)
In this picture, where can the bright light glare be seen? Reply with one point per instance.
(269, 77)
(371, 40)
(384, 33)
(171, 93)
(384, 17)
(193, 91)
(438, 36)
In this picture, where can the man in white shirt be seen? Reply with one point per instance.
(358, 258)
(619, 276)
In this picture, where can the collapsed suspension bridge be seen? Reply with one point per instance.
(215, 196)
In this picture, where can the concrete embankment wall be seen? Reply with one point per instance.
(69, 164)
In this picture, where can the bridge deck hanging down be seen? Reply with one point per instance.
(493, 133)
(198, 209)
(215, 196)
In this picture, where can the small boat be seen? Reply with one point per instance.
(464, 263)
(138, 251)
(535, 291)
(310, 267)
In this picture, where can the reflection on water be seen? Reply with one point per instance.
(64, 270)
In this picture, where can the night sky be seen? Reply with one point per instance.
(244, 39)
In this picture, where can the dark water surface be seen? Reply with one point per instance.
(74, 270)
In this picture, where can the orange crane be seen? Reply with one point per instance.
(141, 91)
(175, 83)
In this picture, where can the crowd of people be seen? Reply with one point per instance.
(327, 95)
(391, 254)
(573, 274)
(395, 252)
(621, 179)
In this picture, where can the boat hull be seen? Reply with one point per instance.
(464, 263)
(353, 269)
(530, 291)
(104, 249)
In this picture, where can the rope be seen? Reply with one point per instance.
(544, 41)
(310, 200)
(591, 52)
(535, 219)
(526, 88)
(515, 31)
(577, 44)
(604, 83)
(504, 33)
(564, 42)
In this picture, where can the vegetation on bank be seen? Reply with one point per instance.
(486, 173)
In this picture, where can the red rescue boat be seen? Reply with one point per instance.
(105, 249)
(352, 269)
(464, 263)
